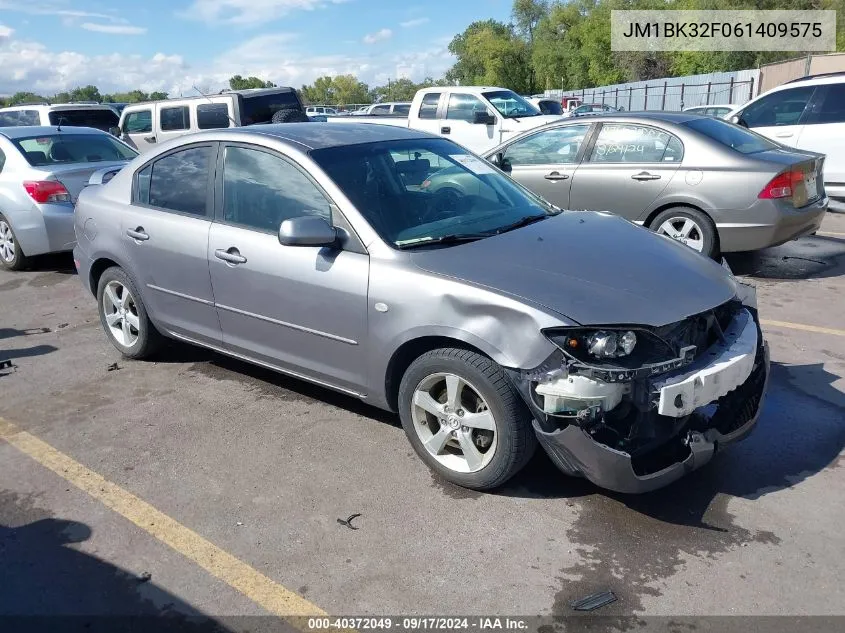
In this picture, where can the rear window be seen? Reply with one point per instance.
(100, 119)
(737, 138)
(261, 108)
(550, 107)
(60, 149)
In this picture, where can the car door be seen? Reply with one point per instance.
(138, 126)
(459, 126)
(824, 130)
(173, 121)
(302, 309)
(429, 116)
(546, 160)
(627, 168)
(778, 115)
(165, 234)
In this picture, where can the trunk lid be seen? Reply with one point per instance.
(75, 176)
(807, 169)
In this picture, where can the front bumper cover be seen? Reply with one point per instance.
(576, 453)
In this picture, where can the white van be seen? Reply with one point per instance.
(97, 115)
(144, 125)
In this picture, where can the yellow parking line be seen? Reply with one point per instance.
(801, 326)
(250, 582)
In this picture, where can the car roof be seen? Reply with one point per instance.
(27, 131)
(316, 135)
(670, 117)
(58, 106)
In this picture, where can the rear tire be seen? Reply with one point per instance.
(480, 440)
(124, 316)
(289, 115)
(689, 226)
(11, 254)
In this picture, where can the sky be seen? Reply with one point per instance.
(47, 46)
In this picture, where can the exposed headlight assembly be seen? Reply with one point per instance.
(609, 344)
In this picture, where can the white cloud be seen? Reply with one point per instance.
(378, 36)
(248, 12)
(117, 29)
(415, 22)
(281, 58)
(49, 8)
(5, 31)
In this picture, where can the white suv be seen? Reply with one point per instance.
(96, 115)
(807, 113)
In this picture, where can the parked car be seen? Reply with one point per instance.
(144, 125)
(519, 327)
(321, 110)
(807, 113)
(399, 108)
(42, 171)
(721, 111)
(703, 181)
(547, 105)
(478, 118)
(97, 115)
(591, 108)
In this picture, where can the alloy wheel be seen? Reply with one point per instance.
(454, 422)
(685, 230)
(7, 242)
(121, 314)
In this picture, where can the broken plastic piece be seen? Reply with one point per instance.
(594, 601)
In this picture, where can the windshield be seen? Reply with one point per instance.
(260, 108)
(550, 107)
(104, 119)
(62, 149)
(736, 137)
(510, 105)
(416, 192)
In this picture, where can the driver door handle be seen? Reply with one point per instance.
(138, 234)
(556, 175)
(445, 130)
(230, 256)
(785, 135)
(150, 139)
(644, 175)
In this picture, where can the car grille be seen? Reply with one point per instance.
(701, 330)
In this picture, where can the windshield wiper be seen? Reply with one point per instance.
(524, 221)
(454, 238)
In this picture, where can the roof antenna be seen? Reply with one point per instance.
(202, 94)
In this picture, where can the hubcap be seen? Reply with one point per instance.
(684, 230)
(454, 423)
(121, 314)
(7, 242)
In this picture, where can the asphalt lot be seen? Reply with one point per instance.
(262, 466)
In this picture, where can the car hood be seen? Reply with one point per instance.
(593, 268)
(529, 122)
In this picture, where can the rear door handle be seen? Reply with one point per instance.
(150, 139)
(138, 234)
(445, 130)
(785, 135)
(644, 175)
(556, 175)
(230, 256)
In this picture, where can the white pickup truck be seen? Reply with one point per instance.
(478, 118)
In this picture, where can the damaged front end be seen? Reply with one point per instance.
(634, 408)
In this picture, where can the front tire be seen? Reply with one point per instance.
(11, 255)
(688, 226)
(124, 316)
(464, 418)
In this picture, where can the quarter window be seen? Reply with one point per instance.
(463, 106)
(172, 119)
(619, 143)
(549, 147)
(139, 122)
(783, 107)
(212, 116)
(261, 190)
(428, 107)
(177, 182)
(831, 108)
(381, 109)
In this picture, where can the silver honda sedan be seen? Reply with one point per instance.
(42, 171)
(489, 321)
(713, 185)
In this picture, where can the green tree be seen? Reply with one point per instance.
(347, 89)
(25, 97)
(86, 93)
(490, 53)
(242, 83)
(527, 14)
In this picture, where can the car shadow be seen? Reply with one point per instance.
(26, 352)
(61, 263)
(10, 332)
(49, 584)
(814, 257)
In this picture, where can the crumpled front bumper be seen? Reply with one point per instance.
(576, 453)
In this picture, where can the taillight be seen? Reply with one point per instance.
(43, 191)
(782, 186)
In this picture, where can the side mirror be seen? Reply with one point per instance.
(116, 131)
(483, 118)
(307, 230)
(502, 163)
(737, 118)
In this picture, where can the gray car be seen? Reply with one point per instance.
(42, 171)
(488, 320)
(713, 185)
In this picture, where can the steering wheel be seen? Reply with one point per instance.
(442, 204)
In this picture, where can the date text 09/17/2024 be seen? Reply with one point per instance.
(416, 623)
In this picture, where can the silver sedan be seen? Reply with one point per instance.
(710, 184)
(42, 171)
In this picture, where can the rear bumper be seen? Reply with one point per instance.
(768, 223)
(736, 414)
(49, 229)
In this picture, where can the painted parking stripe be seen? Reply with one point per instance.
(802, 326)
(265, 592)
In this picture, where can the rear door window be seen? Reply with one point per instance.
(628, 143)
(783, 107)
(828, 105)
(177, 182)
(173, 119)
(428, 107)
(211, 116)
(381, 109)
